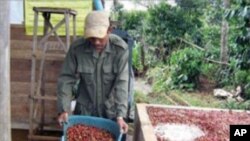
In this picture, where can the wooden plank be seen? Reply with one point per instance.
(21, 45)
(22, 49)
(26, 54)
(21, 70)
(53, 98)
(18, 33)
(16, 77)
(144, 130)
(46, 138)
(20, 64)
(50, 111)
(23, 88)
(20, 109)
(27, 45)
(50, 127)
(18, 125)
(18, 70)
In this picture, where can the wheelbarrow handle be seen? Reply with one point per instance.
(120, 137)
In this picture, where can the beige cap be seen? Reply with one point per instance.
(96, 24)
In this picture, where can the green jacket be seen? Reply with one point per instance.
(103, 86)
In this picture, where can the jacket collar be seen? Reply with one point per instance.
(104, 53)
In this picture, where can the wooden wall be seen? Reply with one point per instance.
(21, 49)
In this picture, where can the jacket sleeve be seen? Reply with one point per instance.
(66, 81)
(121, 85)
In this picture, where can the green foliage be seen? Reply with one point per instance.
(233, 104)
(132, 20)
(159, 30)
(209, 70)
(117, 11)
(225, 75)
(140, 97)
(159, 98)
(136, 58)
(242, 76)
(185, 68)
(164, 32)
(240, 12)
(247, 89)
(239, 16)
(213, 13)
(192, 4)
(200, 100)
(170, 23)
(160, 76)
(211, 40)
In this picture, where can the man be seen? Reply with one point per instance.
(100, 62)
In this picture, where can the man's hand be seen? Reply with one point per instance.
(62, 118)
(123, 125)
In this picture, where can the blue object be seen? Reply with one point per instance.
(98, 122)
(98, 5)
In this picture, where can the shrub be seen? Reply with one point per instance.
(185, 67)
(160, 77)
(242, 78)
(136, 58)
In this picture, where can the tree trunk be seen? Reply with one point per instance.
(143, 57)
(224, 37)
(5, 121)
(103, 3)
(115, 2)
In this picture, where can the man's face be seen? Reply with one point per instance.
(99, 43)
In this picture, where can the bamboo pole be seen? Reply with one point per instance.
(5, 114)
(192, 44)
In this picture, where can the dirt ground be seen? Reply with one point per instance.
(142, 86)
(19, 135)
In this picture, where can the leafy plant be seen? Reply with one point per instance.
(241, 77)
(185, 67)
(134, 22)
(141, 97)
(160, 76)
(209, 70)
(170, 23)
(233, 104)
(239, 16)
(136, 58)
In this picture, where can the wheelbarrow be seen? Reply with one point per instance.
(97, 122)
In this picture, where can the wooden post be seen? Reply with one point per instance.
(5, 118)
(224, 37)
